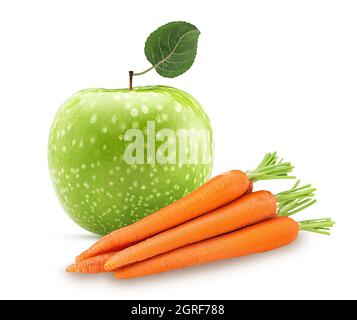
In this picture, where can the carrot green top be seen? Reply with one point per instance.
(295, 200)
(271, 167)
(321, 226)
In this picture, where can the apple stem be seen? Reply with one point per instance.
(131, 73)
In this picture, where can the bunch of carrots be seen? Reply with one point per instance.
(222, 219)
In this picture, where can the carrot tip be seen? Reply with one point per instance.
(72, 268)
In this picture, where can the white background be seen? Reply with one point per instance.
(272, 75)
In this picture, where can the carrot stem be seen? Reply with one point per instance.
(321, 226)
(270, 168)
(295, 200)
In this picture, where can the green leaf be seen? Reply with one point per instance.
(171, 49)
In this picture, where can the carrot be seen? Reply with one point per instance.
(91, 265)
(247, 210)
(264, 236)
(250, 187)
(217, 192)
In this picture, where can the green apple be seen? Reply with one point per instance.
(116, 156)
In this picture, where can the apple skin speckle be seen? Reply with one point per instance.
(96, 187)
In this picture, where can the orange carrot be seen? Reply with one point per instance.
(264, 236)
(247, 210)
(250, 187)
(91, 265)
(215, 193)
